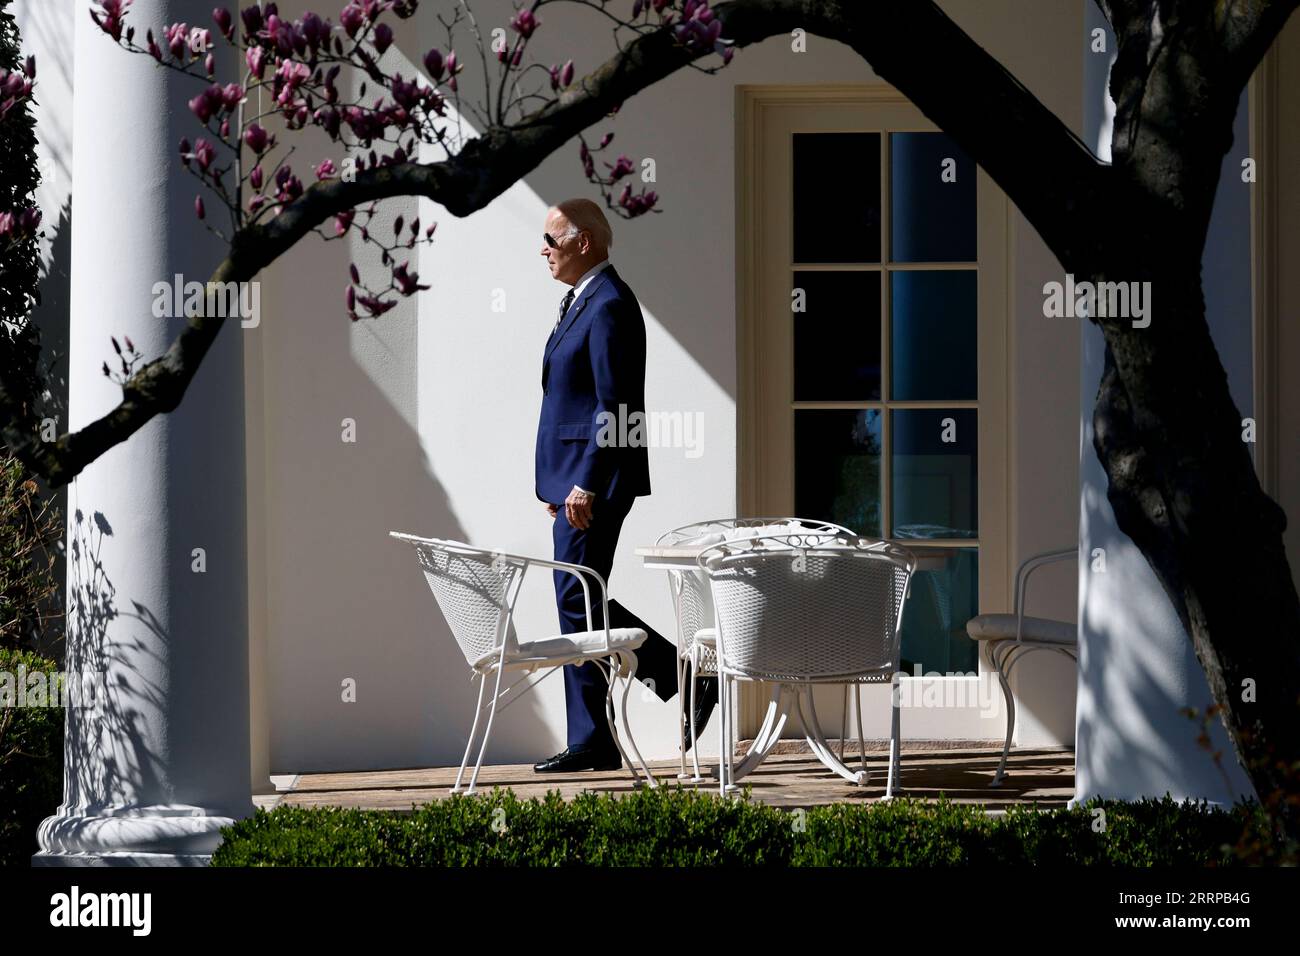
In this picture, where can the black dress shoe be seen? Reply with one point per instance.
(706, 698)
(586, 758)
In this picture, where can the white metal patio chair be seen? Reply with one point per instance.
(476, 591)
(1008, 638)
(802, 609)
(693, 609)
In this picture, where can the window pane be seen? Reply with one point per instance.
(837, 337)
(931, 220)
(932, 335)
(837, 467)
(933, 473)
(944, 596)
(836, 197)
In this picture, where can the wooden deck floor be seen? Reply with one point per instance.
(1042, 777)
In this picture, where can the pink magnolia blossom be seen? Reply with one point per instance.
(621, 168)
(314, 30)
(109, 17)
(524, 23)
(352, 17)
(293, 74)
(252, 17)
(204, 154)
(225, 23)
(256, 138)
(177, 35)
(433, 64)
(256, 59)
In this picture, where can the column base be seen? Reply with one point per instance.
(44, 859)
(134, 836)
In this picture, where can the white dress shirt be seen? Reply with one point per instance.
(587, 277)
(577, 291)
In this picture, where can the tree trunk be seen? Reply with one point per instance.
(1183, 487)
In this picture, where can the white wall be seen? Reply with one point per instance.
(446, 396)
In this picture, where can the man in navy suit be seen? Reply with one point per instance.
(593, 374)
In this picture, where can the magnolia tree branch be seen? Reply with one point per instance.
(1248, 28)
(1120, 13)
(912, 45)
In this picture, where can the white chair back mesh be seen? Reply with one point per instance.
(694, 603)
(473, 589)
(809, 613)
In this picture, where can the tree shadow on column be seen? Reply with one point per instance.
(94, 779)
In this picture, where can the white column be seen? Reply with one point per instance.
(152, 775)
(1137, 669)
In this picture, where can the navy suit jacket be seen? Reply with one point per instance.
(594, 363)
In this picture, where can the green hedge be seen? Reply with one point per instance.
(685, 828)
(31, 764)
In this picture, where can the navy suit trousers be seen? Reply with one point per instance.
(585, 685)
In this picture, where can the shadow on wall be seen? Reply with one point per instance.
(377, 697)
(1166, 759)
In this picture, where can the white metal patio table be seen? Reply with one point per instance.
(679, 559)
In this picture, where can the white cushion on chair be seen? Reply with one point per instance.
(707, 636)
(701, 540)
(582, 643)
(1002, 627)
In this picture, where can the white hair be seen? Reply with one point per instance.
(583, 214)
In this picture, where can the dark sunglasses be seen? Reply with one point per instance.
(555, 243)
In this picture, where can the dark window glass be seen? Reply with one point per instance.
(933, 480)
(932, 335)
(942, 600)
(836, 197)
(837, 337)
(930, 220)
(837, 467)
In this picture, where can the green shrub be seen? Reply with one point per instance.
(30, 531)
(21, 372)
(31, 763)
(686, 828)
